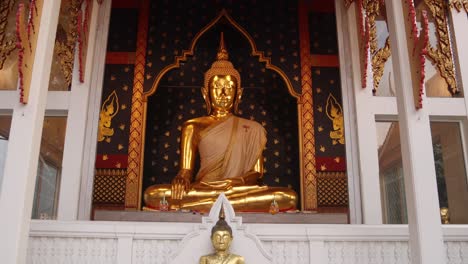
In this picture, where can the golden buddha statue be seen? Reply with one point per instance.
(230, 150)
(221, 238)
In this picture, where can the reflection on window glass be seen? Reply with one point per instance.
(392, 187)
(49, 168)
(5, 122)
(450, 172)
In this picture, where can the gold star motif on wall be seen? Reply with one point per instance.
(126, 69)
(320, 129)
(123, 106)
(125, 87)
(296, 78)
(323, 167)
(120, 146)
(320, 109)
(122, 126)
(322, 148)
(166, 157)
(318, 90)
(337, 159)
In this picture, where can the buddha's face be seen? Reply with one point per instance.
(222, 92)
(221, 240)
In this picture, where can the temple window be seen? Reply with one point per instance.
(450, 171)
(49, 168)
(392, 186)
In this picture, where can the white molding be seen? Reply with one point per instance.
(349, 108)
(57, 101)
(95, 72)
(366, 132)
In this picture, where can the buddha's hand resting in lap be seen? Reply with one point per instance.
(180, 185)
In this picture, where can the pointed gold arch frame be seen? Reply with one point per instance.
(140, 103)
(190, 52)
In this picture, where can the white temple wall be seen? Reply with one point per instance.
(131, 242)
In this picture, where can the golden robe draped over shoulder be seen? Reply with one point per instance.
(230, 147)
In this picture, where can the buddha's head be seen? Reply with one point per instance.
(221, 234)
(222, 86)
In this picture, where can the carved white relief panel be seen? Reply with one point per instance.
(285, 252)
(456, 252)
(359, 252)
(59, 250)
(153, 251)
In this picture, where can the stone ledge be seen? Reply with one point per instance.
(187, 217)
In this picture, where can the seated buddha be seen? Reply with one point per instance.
(230, 151)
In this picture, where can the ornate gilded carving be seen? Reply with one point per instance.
(67, 36)
(137, 118)
(379, 59)
(308, 165)
(442, 55)
(7, 45)
(459, 5)
(110, 107)
(373, 9)
(335, 114)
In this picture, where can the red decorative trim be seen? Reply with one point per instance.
(422, 57)
(120, 57)
(324, 60)
(32, 8)
(366, 46)
(20, 47)
(111, 161)
(419, 51)
(80, 43)
(331, 163)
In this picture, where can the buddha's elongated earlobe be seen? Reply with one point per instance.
(206, 97)
(237, 100)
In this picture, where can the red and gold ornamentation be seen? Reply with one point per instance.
(27, 30)
(308, 166)
(137, 118)
(417, 47)
(459, 5)
(442, 54)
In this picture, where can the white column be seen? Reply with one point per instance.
(460, 24)
(96, 77)
(72, 164)
(366, 131)
(17, 192)
(349, 109)
(426, 240)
